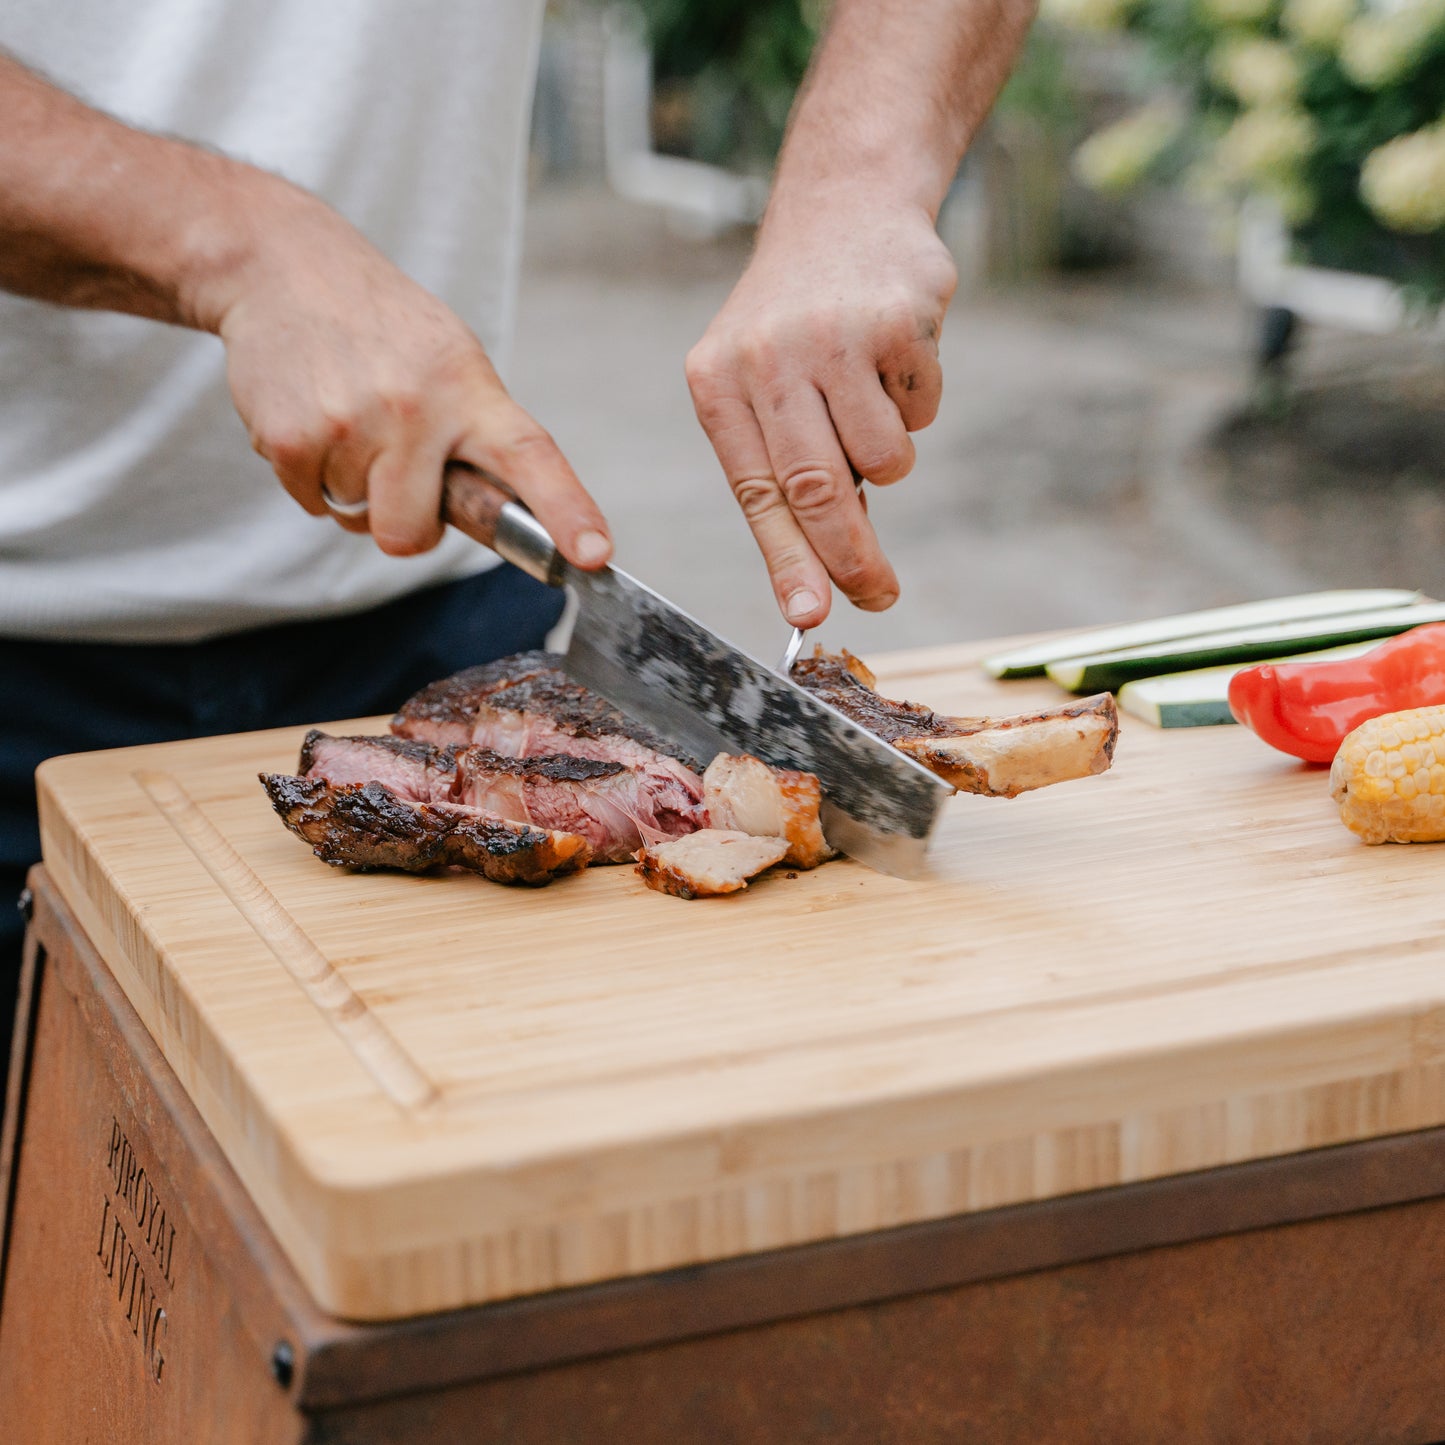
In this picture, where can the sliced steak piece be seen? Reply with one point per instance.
(1004, 757)
(616, 808)
(541, 712)
(445, 712)
(745, 794)
(367, 826)
(416, 772)
(708, 863)
(998, 756)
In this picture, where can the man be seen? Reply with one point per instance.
(340, 207)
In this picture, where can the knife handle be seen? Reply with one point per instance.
(487, 512)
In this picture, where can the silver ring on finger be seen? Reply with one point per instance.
(345, 509)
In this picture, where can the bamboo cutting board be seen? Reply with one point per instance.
(440, 1091)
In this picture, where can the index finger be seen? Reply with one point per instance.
(800, 581)
(816, 479)
(511, 446)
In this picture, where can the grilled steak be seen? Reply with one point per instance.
(367, 826)
(616, 808)
(710, 862)
(516, 772)
(445, 711)
(998, 756)
(745, 794)
(415, 772)
(526, 707)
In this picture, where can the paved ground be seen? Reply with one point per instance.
(1092, 460)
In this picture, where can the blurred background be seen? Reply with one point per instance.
(1196, 356)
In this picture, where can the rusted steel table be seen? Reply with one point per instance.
(143, 1299)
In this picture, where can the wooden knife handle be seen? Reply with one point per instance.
(487, 511)
(472, 502)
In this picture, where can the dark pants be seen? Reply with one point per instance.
(69, 697)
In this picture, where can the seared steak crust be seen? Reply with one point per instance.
(527, 707)
(552, 767)
(451, 703)
(579, 712)
(843, 681)
(616, 808)
(1001, 757)
(367, 826)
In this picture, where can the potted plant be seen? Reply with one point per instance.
(724, 75)
(1327, 115)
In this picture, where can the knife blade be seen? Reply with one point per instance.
(652, 660)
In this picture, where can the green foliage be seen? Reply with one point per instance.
(1343, 233)
(742, 63)
(1305, 143)
(1039, 86)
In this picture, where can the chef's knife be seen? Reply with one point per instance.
(651, 660)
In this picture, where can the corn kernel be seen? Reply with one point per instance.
(1389, 777)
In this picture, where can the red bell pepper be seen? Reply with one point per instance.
(1306, 708)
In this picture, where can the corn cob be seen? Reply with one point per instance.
(1389, 777)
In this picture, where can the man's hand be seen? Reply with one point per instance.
(822, 361)
(353, 381)
(825, 356)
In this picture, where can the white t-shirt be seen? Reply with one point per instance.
(131, 505)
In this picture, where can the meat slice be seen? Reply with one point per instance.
(445, 712)
(745, 794)
(1001, 757)
(616, 808)
(518, 706)
(540, 712)
(1004, 757)
(366, 825)
(416, 772)
(708, 863)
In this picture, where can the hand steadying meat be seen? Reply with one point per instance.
(349, 376)
(826, 353)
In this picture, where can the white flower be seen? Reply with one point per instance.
(1259, 72)
(1318, 22)
(1267, 144)
(1403, 182)
(1238, 12)
(1118, 157)
(1380, 48)
(1087, 14)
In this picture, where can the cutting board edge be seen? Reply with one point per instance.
(314, 1215)
(561, 1253)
